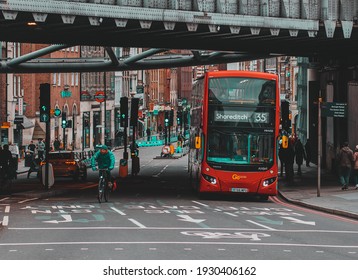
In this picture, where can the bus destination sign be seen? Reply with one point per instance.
(241, 116)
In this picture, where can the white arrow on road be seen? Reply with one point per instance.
(298, 221)
(67, 219)
(187, 218)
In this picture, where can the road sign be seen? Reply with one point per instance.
(99, 96)
(18, 120)
(334, 109)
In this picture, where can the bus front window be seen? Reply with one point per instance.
(229, 147)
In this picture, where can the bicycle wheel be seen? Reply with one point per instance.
(101, 190)
(106, 192)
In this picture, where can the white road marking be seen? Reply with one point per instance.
(7, 209)
(66, 219)
(27, 200)
(260, 225)
(5, 221)
(187, 218)
(5, 198)
(262, 244)
(137, 223)
(48, 249)
(202, 204)
(118, 211)
(230, 214)
(298, 221)
(188, 228)
(157, 175)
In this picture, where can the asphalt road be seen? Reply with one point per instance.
(156, 216)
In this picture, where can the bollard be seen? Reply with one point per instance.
(123, 168)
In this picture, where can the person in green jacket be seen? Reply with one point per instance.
(104, 158)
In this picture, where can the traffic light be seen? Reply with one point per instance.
(124, 111)
(166, 118)
(171, 117)
(134, 111)
(285, 115)
(64, 120)
(45, 102)
(179, 117)
(69, 124)
(57, 112)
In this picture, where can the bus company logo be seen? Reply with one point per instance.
(238, 177)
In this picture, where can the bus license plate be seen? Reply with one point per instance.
(239, 190)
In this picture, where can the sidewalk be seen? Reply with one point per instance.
(332, 199)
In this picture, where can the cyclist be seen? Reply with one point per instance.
(105, 159)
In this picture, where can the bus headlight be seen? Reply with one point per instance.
(211, 180)
(268, 181)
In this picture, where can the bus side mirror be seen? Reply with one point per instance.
(197, 142)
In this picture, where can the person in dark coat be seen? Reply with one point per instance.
(300, 155)
(290, 160)
(148, 134)
(345, 160)
(308, 152)
(56, 144)
(282, 156)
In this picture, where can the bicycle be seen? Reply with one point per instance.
(103, 187)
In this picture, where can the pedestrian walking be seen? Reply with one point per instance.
(308, 152)
(345, 159)
(56, 144)
(355, 166)
(300, 155)
(32, 146)
(148, 134)
(282, 156)
(41, 149)
(290, 160)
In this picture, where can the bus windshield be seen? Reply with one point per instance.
(241, 90)
(229, 146)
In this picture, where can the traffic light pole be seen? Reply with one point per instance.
(125, 143)
(64, 138)
(47, 150)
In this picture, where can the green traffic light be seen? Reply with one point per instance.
(43, 108)
(57, 112)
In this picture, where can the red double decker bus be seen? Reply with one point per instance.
(234, 128)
